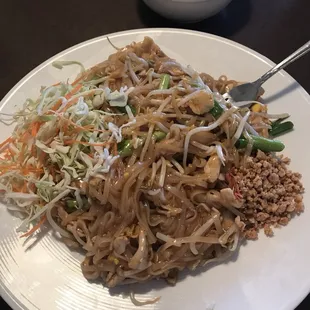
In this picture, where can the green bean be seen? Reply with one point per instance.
(281, 128)
(261, 143)
(217, 110)
(164, 81)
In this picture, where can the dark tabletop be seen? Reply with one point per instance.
(32, 31)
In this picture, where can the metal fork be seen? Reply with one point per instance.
(240, 94)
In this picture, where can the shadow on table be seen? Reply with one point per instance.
(229, 21)
(288, 89)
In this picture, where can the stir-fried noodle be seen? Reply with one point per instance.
(132, 162)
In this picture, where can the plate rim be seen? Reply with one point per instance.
(5, 293)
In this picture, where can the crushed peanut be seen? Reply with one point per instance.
(272, 193)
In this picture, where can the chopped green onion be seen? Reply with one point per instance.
(280, 128)
(125, 148)
(164, 81)
(217, 110)
(159, 135)
(72, 204)
(278, 121)
(194, 84)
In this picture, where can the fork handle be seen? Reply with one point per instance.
(297, 54)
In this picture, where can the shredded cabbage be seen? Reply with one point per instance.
(116, 98)
(59, 139)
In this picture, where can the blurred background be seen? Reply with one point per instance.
(32, 33)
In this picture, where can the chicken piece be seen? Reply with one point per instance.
(229, 199)
(213, 198)
(204, 137)
(201, 103)
(212, 168)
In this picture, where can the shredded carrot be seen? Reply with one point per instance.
(78, 79)
(22, 153)
(7, 156)
(115, 152)
(58, 104)
(68, 142)
(65, 127)
(33, 151)
(12, 153)
(8, 153)
(228, 177)
(25, 136)
(70, 104)
(85, 128)
(233, 184)
(24, 188)
(23, 170)
(14, 167)
(8, 140)
(42, 157)
(34, 228)
(7, 166)
(82, 128)
(53, 173)
(26, 171)
(73, 91)
(15, 188)
(35, 128)
(32, 187)
(82, 77)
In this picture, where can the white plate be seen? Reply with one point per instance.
(269, 273)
